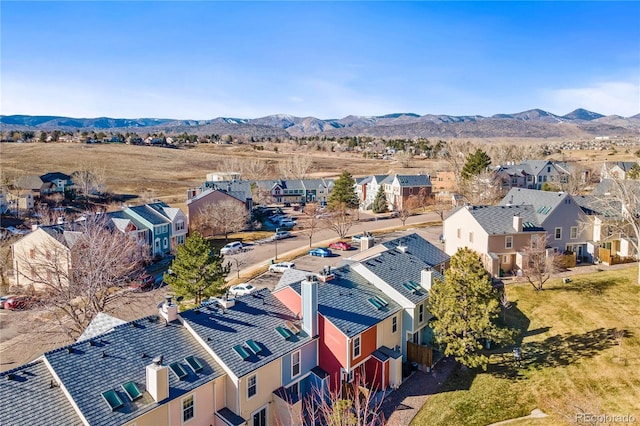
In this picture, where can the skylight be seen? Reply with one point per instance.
(178, 370)
(112, 398)
(242, 352)
(411, 286)
(132, 391)
(194, 363)
(254, 346)
(284, 332)
(375, 303)
(381, 300)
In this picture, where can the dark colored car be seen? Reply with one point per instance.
(340, 245)
(320, 251)
(19, 302)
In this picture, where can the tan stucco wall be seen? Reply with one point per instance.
(385, 336)
(269, 379)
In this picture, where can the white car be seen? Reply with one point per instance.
(242, 289)
(232, 248)
(279, 235)
(282, 266)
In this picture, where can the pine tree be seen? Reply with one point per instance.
(466, 306)
(476, 164)
(197, 271)
(380, 204)
(343, 195)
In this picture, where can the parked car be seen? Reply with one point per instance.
(232, 248)
(282, 266)
(143, 283)
(279, 235)
(4, 299)
(357, 238)
(19, 302)
(320, 251)
(288, 223)
(242, 289)
(340, 245)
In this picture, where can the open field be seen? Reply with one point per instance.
(571, 358)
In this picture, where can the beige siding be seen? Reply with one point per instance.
(36, 257)
(269, 378)
(385, 336)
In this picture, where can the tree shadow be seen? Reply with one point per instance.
(592, 285)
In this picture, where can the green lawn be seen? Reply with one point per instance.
(571, 357)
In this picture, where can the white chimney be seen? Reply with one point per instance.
(169, 310)
(402, 249)
(309, 292)
(517, 223)
(158, 380)
(366, 242)
(426, 278)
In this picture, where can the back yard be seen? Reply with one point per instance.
(580, 351)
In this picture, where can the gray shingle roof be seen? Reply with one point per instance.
(255, 317)
(414, 180)
(543, 202)
(149, 214)
(100, 324)
(499, 219)
(107, 361)
(345, 302)
(421, 248)
(29, 399)
(54, 175)
(598, 205)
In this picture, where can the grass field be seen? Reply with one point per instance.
(571, 358)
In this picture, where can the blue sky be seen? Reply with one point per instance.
(203, 60)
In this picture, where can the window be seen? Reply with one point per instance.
(505, 259)
(188, 411)
(470, 237)
(421, 313)
(356, 347)
(252, 386)
(574, 232)
(549, 169)
(260, 417)
(459, 232)
(508, 241)
(295, 364)
(180, 239)
(180, 226)
(558, 233)
(157, 243)
(394, 324)
(166, 242)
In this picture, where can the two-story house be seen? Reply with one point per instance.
(367, 189)
(532, 174)
(359, 327)
(563, 219)
(617, 169)
(497, 233)
(399, 188)
(167, 226)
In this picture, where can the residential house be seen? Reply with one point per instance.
(167, 226)
(135, 230)
(617, 169)
(5, 207)
(532, 174)
(367, 189)
(359, 327)
(267, 353)
(35, 254)
(497, 233)
(399, 188)
(55, 182)
(444, 186)
(404, 270)
(198, 203)
(563, 219)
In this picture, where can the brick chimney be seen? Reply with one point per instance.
(158, 380)
(309, 289)
(517, 223)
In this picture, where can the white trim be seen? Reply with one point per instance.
(299, 363)
(555, 233)
(353, 347)
(266, 415)
(193, 408)
(255, 375)
(508, 241)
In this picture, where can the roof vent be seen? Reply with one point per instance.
(158, 360)
(402, 248)
(11, 376)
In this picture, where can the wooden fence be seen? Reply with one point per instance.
(605, 256)
(419, 354)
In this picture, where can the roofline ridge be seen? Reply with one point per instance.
(31, 363)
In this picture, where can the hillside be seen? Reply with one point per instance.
(534, 123)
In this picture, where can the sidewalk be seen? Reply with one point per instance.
(402, 405)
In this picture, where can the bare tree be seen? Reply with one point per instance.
(455, 154)
(230, 165)
(311, 221)
(89, 179)
(404, 158)
(295, 167)
(505, 304)
(5, 260)
(484, 188)
(408, 206)
(575, 180)
(261, 194)
(537, 265)
(82, 272)
(254, 169)
(222, 218)
(341, 219)
(238, 261)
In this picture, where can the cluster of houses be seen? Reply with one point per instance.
(22, 194)
(157, 226)
(261, 359)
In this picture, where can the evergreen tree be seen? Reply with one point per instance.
(466, 306)
(343, 195)
(634, 172)
(198, 272)
(476, 164)
(380, 202)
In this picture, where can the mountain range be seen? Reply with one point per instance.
(534, 123)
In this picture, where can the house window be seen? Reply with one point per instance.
(421, 313)
(180, 239)
(558, 233)
(180, 226)
(508, 241)
(470, 237)
(259, 418)
(295, 364)
(574, 232)
(157, 243)
(356, 347)
(166, 242)
(459, 233)
(505, 259)
(188, 409)
(252, 386)
(394, 324)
